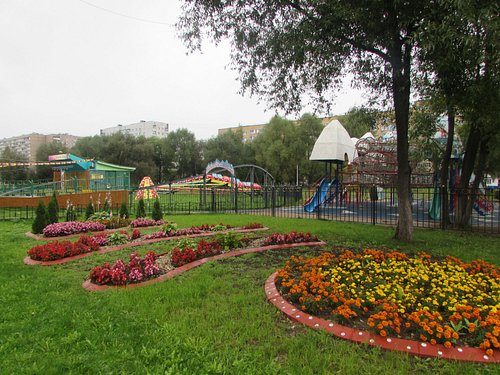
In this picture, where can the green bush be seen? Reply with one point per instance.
(141, 209)
(40, 221)
(117, 238)
(70, 212)
(124, 211)
(157, 214)
(52, 211)
(89, 211)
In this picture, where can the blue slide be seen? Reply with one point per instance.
(319, 196)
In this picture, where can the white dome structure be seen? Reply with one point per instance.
(367, 135)
(333, 144)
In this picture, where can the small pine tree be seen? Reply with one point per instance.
(105, 208)
(54, 197)
(52, 211)
(70, 212)
(40, 221)
(141, 209)
(157, 214)
(90, 210)
(124, 211)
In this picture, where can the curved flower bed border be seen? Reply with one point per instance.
(421, 349)
(88, 285)
(108, 249)
(42, 238)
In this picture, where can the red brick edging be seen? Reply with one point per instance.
(87, 284)
(108, 249)
(422, 349)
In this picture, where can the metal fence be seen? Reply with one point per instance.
(431, 208)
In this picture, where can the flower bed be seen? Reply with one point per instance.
(393, 294)
(185, 254)
(144, 222)
(72, 227)
(292, 237)
(136, 270)
(56, 250)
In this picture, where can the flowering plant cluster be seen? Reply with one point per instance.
(176, 233)
(203, 249)
(145, 222)
(289, 238)
(439, 301)
(253, 226)
(56, 250)
(135, 271)
(72, 227)
(115, 222)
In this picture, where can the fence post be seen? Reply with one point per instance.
(273, 201)
(212, 195)
(374, 198)
(236, 199)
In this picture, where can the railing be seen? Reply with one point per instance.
(431, 207)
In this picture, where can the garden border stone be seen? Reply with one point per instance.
(91, 287)
(422, 349)
(108, 249)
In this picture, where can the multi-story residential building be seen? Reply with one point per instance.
(142, 128)
(29, 144)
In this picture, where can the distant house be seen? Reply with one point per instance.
(82, 175)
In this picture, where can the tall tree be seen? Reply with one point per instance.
(186, 152)
(228, 146)
(460, 45)
(285, 49)
(42, 154)
(13, 173)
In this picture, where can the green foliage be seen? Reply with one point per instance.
(157, 214)
(169, 227)
(228, 146)
(53, 210)
(106, 207)
(229, 241)
(124, 211)
(117, 238)
(90, 210)
(141, 209)
(40, 221)
(99, 215)
(12, 174)
(42, 154)
(70, 212)
(358, 121)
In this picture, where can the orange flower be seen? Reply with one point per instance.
(383, 333)
(447, 344)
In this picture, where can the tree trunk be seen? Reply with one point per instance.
(463, 191)
(401, 95)
(445, 166)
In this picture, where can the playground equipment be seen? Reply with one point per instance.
(320, 196)
(333, 146)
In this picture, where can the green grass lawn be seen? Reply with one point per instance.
(211, 320)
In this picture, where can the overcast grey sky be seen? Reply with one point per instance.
(69, 67)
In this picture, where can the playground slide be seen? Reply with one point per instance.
(319, 196)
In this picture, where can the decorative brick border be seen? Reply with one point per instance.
(421, 349)
(108, 249)
(88, 285)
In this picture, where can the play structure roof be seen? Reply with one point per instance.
(333, 144)
(72, 163)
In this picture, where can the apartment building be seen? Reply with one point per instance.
(142, 128)
(29, 144)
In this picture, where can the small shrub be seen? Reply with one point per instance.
(136, 233)
(40, 221)
(117, 239)
(170, 227)
(99, 215)
(70, 212)
(143, 222)
(90, 210)
(141, 209)
(53, 210)
(124, 211)
(157, 214)
(229, 241)
(115, 222)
